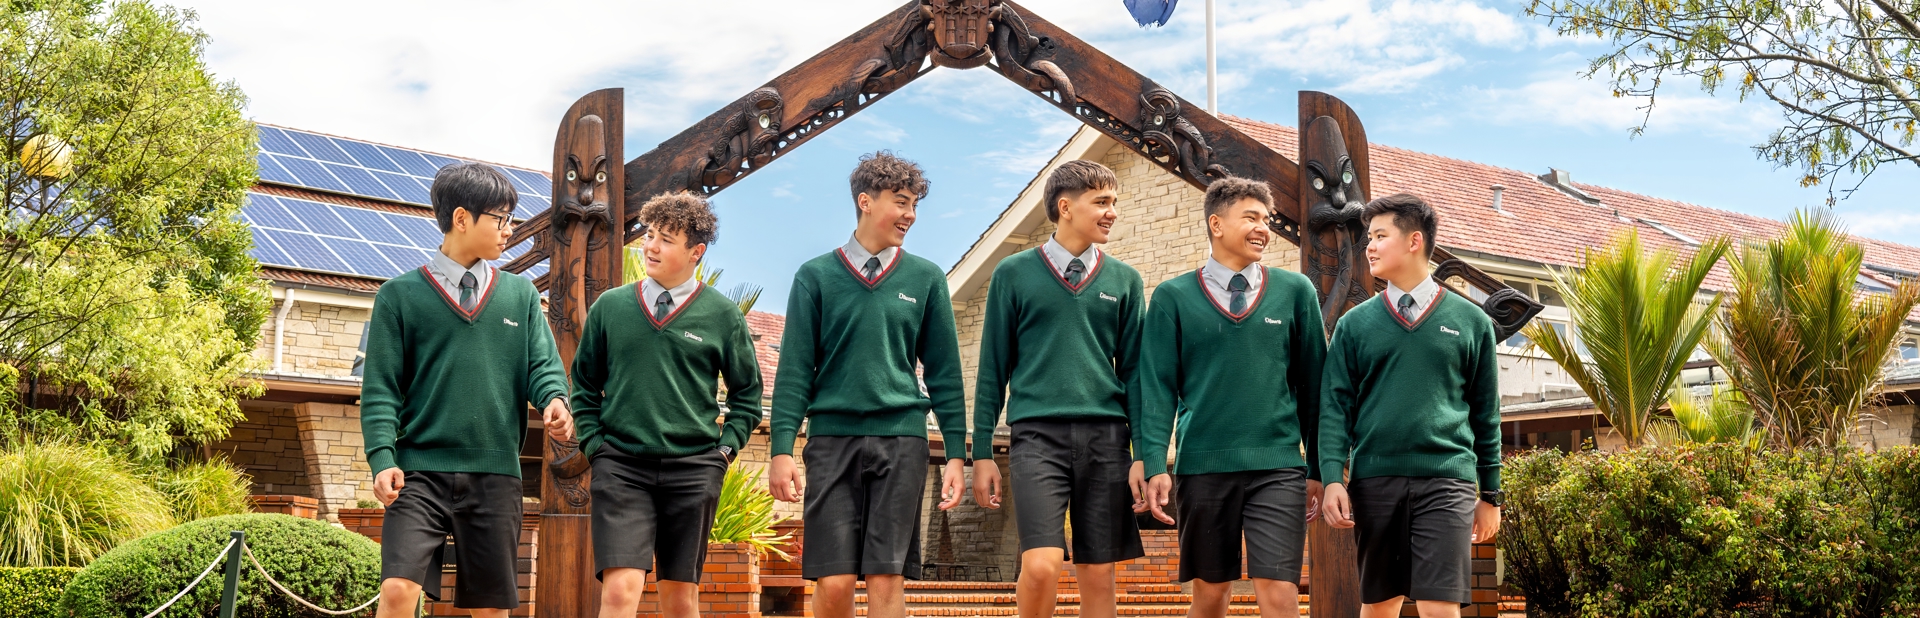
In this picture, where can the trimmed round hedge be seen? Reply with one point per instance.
(329, 566)
(32, 592)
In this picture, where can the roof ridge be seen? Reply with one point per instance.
(408, 148)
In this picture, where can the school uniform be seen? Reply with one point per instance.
(454, 357)
(1061, 340)
(857, 325)
(1230, 368)
(645, 379)
(1411, 413)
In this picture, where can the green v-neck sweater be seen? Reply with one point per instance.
(848, 356)
(445, 391)
(1419, 399)
(1236, 393)
(649, 389)
(1051, 352)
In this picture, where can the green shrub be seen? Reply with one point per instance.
(331, 567)
(32, 592)
(65, 505)
(206, 489)
(745, 513)
(1715, 530)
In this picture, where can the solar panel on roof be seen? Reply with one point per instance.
(439, 161)
(266, 211)
(275, 140)
(305, 251)
(407, 187)
(407, 258)
(367, 155)
(361, 257)
(372, 226)
(320, 218)
(361, 181)
(321, 147)
(311, 174)
(266, 252)
(531, 205)
(410, 161)
(272, 172)
(425, 233)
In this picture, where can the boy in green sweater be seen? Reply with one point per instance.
(456, 351)
(1410, 424)
(1217, 340)
(859, 319)
(644, 382)
(1061, 339)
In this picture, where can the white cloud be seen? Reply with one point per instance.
(1567, 100)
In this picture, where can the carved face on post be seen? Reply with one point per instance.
(960, 29)
(584, 191)
(1335, 197)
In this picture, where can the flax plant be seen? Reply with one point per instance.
(1804, 344)
(1636, 311)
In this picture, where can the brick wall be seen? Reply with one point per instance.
(267, 446)
(1162, 562)
(729, 584)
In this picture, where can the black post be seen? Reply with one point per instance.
(233, 573)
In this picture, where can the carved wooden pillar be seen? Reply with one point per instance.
(1334, 188)
(584, 244)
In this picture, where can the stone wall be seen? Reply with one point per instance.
(367, 522)
(321, 340)
(1892, 426)
(267, 446)
(970, 542)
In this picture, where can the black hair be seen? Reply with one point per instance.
(477, 187)
(1410, 214)
(1230, 190)
(1076, 177)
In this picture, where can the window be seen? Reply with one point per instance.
(1910, 350)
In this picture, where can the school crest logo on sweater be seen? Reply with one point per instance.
(690, 335)
(509, 322)
(1273, 321)
(1449, 331)
(907, 298)
(1105, 297)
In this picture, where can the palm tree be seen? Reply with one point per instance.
(1800, 340)
(1720, 416)
(743, 296)
(1636, 314)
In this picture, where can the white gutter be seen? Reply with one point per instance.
(280, 329)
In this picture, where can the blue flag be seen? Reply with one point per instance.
(1151, 12)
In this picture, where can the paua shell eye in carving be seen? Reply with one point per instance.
(1346, 177)
(1318, 184)
(598, 177)
(572, 175)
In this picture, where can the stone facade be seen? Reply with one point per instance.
(267, 445)
(1891, 426)
(337, 470)
(321, 339)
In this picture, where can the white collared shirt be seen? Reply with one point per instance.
(446, 272)
(1216, 276)
(650, 291)
(1058, 257)
(1424, 297)
(858, 255)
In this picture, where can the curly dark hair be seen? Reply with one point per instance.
(1410, 214)
(684, 213)
(1230, 190)
(882, 171)
(1076, 177)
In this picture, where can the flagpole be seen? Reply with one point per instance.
(1213, 93)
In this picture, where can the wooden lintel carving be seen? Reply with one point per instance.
(1509, 308)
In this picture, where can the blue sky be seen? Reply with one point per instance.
(1473, 80)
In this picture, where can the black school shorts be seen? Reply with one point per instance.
(482, 513)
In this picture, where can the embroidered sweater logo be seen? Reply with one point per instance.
(907, 298)
(509, 322)
(1105, 297)
(1272, 321)
(1449, 331)
(690, 335)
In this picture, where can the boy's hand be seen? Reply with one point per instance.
(1159, 493)
(1335, 507)
(559, 420)
(986, 483)
(1313, 500)
(1486, 522)
(953, 484)
(387, 484)
(783, 480)
(1137, 481)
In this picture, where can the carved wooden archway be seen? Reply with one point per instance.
(592, 192)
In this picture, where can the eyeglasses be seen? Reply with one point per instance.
(504, 222)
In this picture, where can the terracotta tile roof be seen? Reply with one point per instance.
(354, 284)
(767, 328)
(1539, 223)
(1542, 224)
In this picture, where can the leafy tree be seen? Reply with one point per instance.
(743, 296)
(1841, 71)
(1805, 348)
(1635, 311)
(128, 304)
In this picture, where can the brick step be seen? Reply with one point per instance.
(1154, 588)
(1061, 599)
